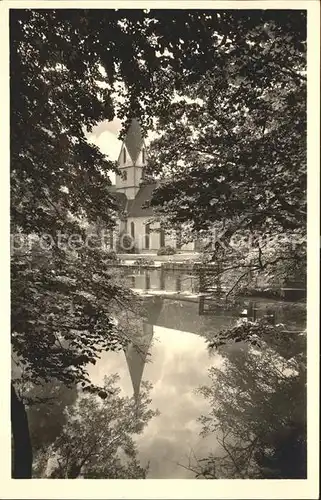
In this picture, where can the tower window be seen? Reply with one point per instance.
(132, 229)
(124, 155)
(147, 233)
(178, 240)
(143, 155)
(162, 238)
(125, 175)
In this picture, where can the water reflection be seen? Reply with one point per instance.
(179, 363)
(170, 351)
(97, 439)
(136, 356)
(159, 279)
(258, 412)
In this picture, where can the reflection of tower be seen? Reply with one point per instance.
(136, 354)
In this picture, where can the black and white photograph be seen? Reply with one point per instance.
(158, 242)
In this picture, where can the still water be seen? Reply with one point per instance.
(178, 364)
(175, 359)
(162, 281)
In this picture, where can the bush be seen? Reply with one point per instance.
(168, 250)
(142, 261)
(126, 244)
(111, 255)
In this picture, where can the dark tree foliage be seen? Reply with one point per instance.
(233, 145)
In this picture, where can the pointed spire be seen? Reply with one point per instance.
(134, 140)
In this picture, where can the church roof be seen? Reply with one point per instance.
(121, 199)
(134, 140)
(134, 208)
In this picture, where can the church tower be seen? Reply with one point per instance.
(131, 161)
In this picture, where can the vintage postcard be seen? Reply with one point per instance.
(160, 249)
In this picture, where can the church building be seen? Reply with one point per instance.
(132, 191)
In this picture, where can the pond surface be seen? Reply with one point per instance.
(161, 280)
(178, 364)
(174, 336)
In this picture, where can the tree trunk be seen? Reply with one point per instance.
(74, 471)
(22, 452)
